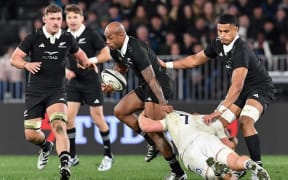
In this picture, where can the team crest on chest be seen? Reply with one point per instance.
(62, 45)
(82, 41)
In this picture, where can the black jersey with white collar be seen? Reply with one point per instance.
(91, 43)
(138, 56)
(241, 55)
(52, 56)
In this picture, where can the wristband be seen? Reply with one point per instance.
(93, 60)
(169, 65)
(221, 108)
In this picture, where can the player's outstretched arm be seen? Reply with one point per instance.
(187, 62)
(82, 58)
(149, 125)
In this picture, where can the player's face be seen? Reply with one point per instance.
(53, 22)
(74, 21)
(114, 40)
(226, 33)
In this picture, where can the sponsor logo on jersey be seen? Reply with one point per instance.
(26, 113)
(129, 61)
(228, 66)
(51, 53)
(82, 41)
(149, 99)
(62, 45)
(256, 95)
(61, 99)
(42, 45)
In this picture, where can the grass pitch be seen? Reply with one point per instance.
(125, 167)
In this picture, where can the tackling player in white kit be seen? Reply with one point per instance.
(197, 142)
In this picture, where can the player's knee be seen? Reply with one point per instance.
(32, 128)
(31, 135)
(246, 123)
(118, 112)
(250, 112)
(58, 116)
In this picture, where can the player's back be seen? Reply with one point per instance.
(184, 128)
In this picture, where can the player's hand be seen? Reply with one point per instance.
(167, 108)
(92, 66)
(162, 63)
(80, 66)
(88, 66)
(33, 67)
(69, 74)
(107, 88)
(211, 117)
(120, 68)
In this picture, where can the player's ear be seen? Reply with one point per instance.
(44, 18)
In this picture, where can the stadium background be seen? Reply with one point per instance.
(191, 94)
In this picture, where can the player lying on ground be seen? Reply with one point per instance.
(196, 143)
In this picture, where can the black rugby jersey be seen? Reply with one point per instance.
(241, 56)
(52, 56)
(91, 43)
(138, 56)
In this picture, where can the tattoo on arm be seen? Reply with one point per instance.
(150, 78)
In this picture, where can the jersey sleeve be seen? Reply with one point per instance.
(210, 50)
(240, 57)
(140, 57)
(98, 41)
(26, 44)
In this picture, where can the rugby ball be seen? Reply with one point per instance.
(116, 79)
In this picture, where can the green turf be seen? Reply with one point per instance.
(125, 168)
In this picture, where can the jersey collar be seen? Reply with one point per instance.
(78, 32)
(124, 47)
(50, 36)
(228, 47)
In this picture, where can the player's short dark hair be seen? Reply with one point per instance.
(228, 19)
(52, 8)
(73, 8)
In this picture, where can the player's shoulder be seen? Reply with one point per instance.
(241, 46)
(134, 42)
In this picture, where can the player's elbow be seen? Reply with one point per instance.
(13, 61)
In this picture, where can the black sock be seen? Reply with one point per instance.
(106, 142)
(45, 145)
(64, 158)
(175, 165)
(146, 137)
(71, 134)
(253, 145)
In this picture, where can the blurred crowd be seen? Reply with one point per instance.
(170, 27)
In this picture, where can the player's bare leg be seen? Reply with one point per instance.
(154, 111)
(98, 117)
(34, 135)
(72, 111)
(125, 110)
(57, 117)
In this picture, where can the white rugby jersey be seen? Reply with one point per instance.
(184, 128)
